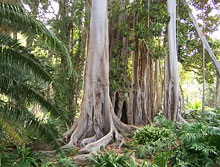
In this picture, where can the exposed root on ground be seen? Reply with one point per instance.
(181, 119)
(92, 139)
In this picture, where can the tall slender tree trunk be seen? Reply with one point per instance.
(157, 91)
(97, 124)
(171, 73)
(203, 39)
(217, 91)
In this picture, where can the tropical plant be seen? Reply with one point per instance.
(21, 156)
(24, 80)
(64, 160)
(153, 135)
(110, 159)
(15, 18)
(199, 145)
(191, 144)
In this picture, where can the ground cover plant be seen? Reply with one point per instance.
(163, 144)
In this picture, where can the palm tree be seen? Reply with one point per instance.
(23, 78)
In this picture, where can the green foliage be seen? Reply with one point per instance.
(161, 159)
(110, 159)
(198, 146)
(199, 142)
(193, 144)
(149, 135)
(13, 53)
(71, 26)
(18, 19)
(64, 160)
(196, 105)
(24, 81)
(25, 157)
(142, 151)
(22, 156)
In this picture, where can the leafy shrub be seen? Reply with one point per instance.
(181, 145)
(196, 105)
(22, 156)
(161, 159)
(143, 151)
(150, 134)
(64, 160)
(110, 159)
(199, 145)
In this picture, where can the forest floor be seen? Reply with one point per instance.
(163, 144)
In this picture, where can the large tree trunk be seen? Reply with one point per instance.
(119, 97)
(97, 124)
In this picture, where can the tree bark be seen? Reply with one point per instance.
(171, 74)
(157, 91)
(217, 91)
(97, 124)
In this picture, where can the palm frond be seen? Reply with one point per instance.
(12, 15)
(15, 71)
(11, 52)
(13, 87)
(25, 121)
(11, 130)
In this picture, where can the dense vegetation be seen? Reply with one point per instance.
(43, 50)
(160, 145)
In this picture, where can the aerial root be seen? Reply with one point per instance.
(77, 133)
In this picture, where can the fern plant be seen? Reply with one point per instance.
(155, 138)
(198, 146)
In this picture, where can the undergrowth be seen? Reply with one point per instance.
(181, 145)
(164, 144)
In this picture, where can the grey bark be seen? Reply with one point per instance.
(172, 78)
(217, 91)
(203, 90)
(97, 124)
